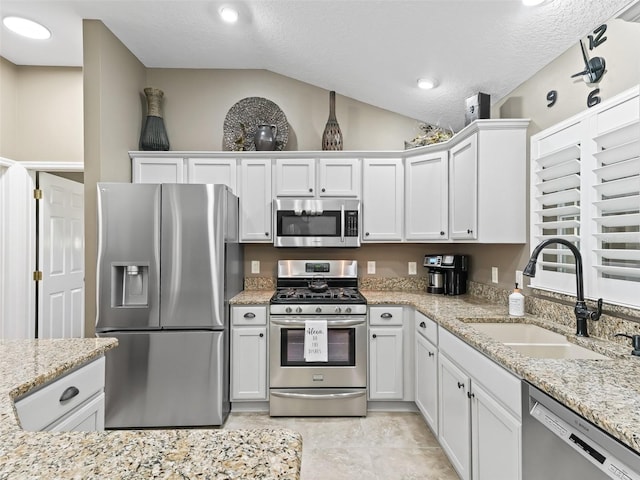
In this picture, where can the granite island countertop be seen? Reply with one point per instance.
(131, 454)
(606, 392)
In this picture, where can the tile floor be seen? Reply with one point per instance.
(380, 446)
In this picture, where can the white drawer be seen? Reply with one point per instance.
(385, 315)
(249, 315)
(43, 407)
(427, 328)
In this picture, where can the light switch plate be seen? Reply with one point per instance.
(255, 266)
(371, 267)
(494, 274)
(519, 279)
(413, 268)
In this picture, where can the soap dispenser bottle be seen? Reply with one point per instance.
(516, 303)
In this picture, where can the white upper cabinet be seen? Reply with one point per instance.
(382, 199)
(295, 177)
(157, 169)
(339, 177)
(255, 200)
(471, 188)
(426, 197)
(310, 177)
(464, 189)
(212, 170)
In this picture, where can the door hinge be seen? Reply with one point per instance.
(37, 194)
(37, 276)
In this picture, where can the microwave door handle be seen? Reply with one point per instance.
(342, 223)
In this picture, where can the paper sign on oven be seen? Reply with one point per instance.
(315, 341)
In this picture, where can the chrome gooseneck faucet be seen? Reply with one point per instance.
(581, 310)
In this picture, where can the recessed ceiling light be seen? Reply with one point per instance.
(426, 84)
(26, 28)
(532, 3)
(229, 14)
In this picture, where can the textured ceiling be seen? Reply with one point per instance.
(369, 50)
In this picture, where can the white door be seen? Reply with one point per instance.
(385, 363)
(61, 258)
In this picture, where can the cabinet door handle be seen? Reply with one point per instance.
(423, 325)
(374, 335)
(431, 354)
(261, 335)
(469, 231)
(68, 394)
(471, 395)
(266, 234)
(460, 385)
(386, 316)
(366, 234)
(249, 315)
(442, 234)
(324, 190)
(311, 190)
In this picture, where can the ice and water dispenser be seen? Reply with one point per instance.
(130, 285)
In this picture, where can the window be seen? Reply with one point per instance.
(585, 188)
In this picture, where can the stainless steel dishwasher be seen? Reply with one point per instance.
(558, 443)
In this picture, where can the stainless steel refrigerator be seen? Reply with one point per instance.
(169, 260)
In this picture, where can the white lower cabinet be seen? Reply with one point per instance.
(426, 382)
(496, 443)
(480, 413)
(74, 402)
(455, 416)
(386, 360)
(248, 353)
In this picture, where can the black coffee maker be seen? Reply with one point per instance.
(447, 273)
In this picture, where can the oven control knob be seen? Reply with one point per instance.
(318, 310)
(298, 309)
(338, 309)
(288, 309)
(347, 310)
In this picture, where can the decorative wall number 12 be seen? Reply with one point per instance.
(594, 68)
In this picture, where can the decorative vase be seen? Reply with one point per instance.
(332, 136)
(154, 135)
(265, 137)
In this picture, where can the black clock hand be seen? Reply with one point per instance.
(587, 70)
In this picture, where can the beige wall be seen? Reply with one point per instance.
(113, 78)
(621, 52)
(8, 108)
(196, 103)
(41, 116)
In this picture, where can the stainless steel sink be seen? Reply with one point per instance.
(536, 342)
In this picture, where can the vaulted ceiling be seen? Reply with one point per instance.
(371, 50)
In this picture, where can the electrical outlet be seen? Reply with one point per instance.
(413, 268)
(519, 279)
(494, 274)
(255, 266)
(371, 267)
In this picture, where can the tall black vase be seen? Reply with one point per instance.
(154, 134)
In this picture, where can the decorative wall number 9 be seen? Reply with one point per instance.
(552, 98)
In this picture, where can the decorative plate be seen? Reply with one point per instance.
(242, 121)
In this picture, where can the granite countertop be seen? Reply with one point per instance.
(606, 392)
(132, 454)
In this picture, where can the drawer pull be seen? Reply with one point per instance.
(386, 315)
(68, 394)
(249, 315)
(423, 325)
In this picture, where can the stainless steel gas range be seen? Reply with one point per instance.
(312, 294)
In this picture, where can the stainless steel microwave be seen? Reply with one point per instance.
(331, 222)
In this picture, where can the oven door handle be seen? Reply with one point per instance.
(330, 323)
(319, 396)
